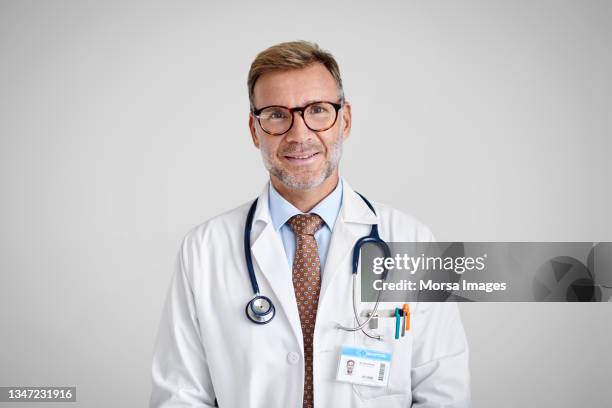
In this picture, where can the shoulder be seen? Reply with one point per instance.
(221, 229)
(396, 225)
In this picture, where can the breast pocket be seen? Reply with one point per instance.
(399, 384)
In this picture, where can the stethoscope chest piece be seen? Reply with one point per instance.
(260, 310)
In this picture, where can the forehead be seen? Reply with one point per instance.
(295, 87)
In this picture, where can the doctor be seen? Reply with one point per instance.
(304, 226)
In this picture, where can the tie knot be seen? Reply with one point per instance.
(305, 224)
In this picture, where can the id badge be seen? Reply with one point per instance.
(364, 366)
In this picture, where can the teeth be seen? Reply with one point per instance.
(302, 157)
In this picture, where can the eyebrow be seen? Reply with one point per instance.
(313, 100)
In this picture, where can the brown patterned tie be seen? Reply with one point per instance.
(306, 284)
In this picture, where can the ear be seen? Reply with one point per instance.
(252, 124)
(346, 120)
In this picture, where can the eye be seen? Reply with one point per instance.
(318, 108)
(274, 114)
(277, 115)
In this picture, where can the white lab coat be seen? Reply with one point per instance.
(207, 349)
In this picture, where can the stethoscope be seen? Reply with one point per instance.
(260, 309)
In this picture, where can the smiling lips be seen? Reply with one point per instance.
(301, 158)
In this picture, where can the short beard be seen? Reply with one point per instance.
(292, 181)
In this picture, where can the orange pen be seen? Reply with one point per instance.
(406, 309)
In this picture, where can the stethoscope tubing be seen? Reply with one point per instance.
(373, 237)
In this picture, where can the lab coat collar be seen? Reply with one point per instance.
(262, 212)
(354, 209)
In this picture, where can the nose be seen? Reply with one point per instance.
(299, 132)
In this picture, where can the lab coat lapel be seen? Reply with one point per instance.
(354, 221)
(270, 262)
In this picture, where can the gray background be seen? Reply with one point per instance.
(124, 124)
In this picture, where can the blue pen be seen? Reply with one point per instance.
(398, 321)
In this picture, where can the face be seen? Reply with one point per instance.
(300, 159)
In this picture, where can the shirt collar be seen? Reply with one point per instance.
(281, 210)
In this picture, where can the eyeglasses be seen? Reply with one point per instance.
(318, 116)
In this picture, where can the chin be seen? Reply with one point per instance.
(302, 181)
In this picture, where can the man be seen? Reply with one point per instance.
(304, 226)
(350, 364)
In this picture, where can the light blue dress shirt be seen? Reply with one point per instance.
(281, 210)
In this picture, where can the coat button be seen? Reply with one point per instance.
(293, 357)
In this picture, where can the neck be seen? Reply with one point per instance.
(306, 200)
